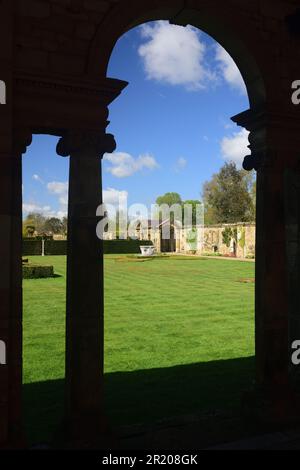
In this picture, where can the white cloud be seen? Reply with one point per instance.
(114, 197)
(46, 211)
(235, 147)
(60, 189)
(181, 164)
(28, 208)
(124, 165)
(174, 55)
(229, 70)
(57, 187)
(110, 196)
(37, 178)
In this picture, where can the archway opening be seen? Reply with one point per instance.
(45, 199)
(231, 237)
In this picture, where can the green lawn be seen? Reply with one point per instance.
(179, 338)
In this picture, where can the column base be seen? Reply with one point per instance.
(271, 409)
(89, 431)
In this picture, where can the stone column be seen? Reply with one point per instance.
(11, 290)
(271, 143)
(85, 306)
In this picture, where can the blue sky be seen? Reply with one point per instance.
(172, 123)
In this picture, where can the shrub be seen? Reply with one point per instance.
(59, 247)
(56, 247)
(35, 271)
(32, 247)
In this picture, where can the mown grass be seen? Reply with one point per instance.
(179, 338)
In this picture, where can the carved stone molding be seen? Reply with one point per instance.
(76, 143)
(266, 135)
(50, 104)
(21, 140)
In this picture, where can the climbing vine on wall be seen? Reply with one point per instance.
(242, 240)
(228, 234)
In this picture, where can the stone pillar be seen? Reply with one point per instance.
(11, 290)
(273, 399)
(84, 321)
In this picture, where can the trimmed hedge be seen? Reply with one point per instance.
(59, 247)
(35, 271)
(56, 247)
(32, 247)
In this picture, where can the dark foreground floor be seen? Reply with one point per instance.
(219, 431)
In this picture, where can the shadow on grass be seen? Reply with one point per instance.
(146, 396)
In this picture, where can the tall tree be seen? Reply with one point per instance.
(36, 220)
(227, 196)
(54, 225)
(169, 200)
(65, 225)
(196, 209)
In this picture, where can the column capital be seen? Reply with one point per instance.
(82, 143)
(269, 131)
(21, 140)
(253, 121)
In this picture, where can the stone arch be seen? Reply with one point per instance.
(52, 90)
(267, 92)
(223, 28)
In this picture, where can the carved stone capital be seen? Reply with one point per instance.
(82, 143)
(258, 157)
(255, 122)
(21, 140)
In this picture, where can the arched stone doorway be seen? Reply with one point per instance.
(52, 90)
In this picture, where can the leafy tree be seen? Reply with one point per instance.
(194, 204)
(54, 225)
(28, 230)
(253, 197)
(227, 196)
(210, 212)
(36, 220)
(65, 225)
(168, 199)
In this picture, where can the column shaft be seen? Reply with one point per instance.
(85, 290)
